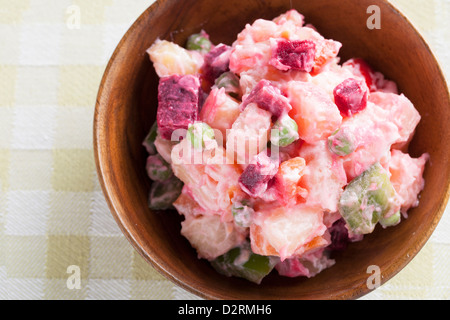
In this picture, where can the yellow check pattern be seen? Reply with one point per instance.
(52, 212)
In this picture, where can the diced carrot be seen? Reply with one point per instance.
(287, 181)
(316, 243)
(326, 50)
(259, 243)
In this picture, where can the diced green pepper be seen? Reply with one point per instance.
(199, 134)
(284, 131)
(341, 143)
(242, 213)
(157, 168)
(242, 262)
(164, 193)
(391, 221)
(149, 141)
(199, 42)
(367, 199)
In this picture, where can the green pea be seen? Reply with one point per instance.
(230, 82)
(391, 221)
(341, 143)
(199, 42)
(199, 134)
(284, 131)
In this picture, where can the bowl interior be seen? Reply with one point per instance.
(126, 109)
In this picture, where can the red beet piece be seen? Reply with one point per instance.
(297, 55)
(365, 70)
(216, 62)
(350, 97)
(339, 236)
(269, 98)
(256, 176)
(178, 103)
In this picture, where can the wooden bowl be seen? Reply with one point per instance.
(126, 108)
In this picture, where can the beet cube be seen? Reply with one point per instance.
(363, 69)
(256, 176)
(178, 103)
(296, 55)
(350, 97)
(269, 98)
(216, 62)
(339, 236)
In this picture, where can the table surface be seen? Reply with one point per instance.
(54, 221)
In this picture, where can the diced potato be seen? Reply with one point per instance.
(250, 78)
(407, 177)
(220, 111)
(211, 236)
(283, 230)
(316, 115)
(170, 59)
(186, 205)
(164, 148)
(330, 78)
(372, 135)
(245, 57)
(401, 112)
(292, 16)
(212, 182)
(327, 50)
(324, 177)
(249, 134)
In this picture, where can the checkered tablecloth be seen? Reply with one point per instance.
(54, 221)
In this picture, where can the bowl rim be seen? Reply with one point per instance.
(102, 172)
